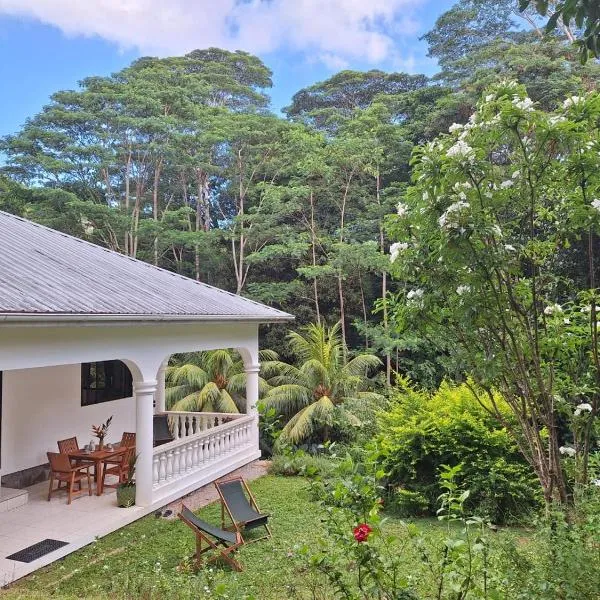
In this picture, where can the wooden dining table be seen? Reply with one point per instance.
(98, 457)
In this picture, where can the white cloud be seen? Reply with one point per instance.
(331, 31)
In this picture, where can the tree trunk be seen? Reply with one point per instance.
(340, 283)
(202, 214)
(314, 254)
(386, 327)
(364, 308)
(127, 196)
(157, 171)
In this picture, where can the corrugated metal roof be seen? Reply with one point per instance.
(45, 272)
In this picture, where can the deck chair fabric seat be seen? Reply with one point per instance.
(222, 535)
(229, 540)
(239, 503)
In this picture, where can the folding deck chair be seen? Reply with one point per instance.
(228, 540)
(239, 503)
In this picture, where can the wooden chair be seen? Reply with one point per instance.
(118, 466)
(241, 507)
(127, 441)
(71, 445)
(229, 541)
(62, 470)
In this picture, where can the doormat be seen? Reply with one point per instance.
(36, 551)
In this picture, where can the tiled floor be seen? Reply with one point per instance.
(79, 524)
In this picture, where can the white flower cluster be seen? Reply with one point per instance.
(588, 309)
(464, 185)
(555, 119)
(451, 217)
(581, 408)
(596, 204)
(567, 451)
(525, 104)
(552, 309)
(463, 289)
(415, 296)
(396, 248)
(573, 101)
(596, 482)
(507, 184)
(402, 209)
(460, 149)
(455, 127)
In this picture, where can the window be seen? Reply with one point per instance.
(105, 381)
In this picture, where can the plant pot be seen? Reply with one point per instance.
(125, 495)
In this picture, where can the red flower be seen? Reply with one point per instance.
(361, 533)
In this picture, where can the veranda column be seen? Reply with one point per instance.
(252, 399)
(144, 399)
(159, 397)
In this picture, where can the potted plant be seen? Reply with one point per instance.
(100, 431)
(126, 489)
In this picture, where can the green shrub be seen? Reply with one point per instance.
(407, 503)
(561, 560)
(300, 463)
(420, 432)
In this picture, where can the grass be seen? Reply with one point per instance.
(145, 560)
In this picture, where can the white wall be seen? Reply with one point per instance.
(43, 405)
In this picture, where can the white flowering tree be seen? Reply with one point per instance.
(495, 242)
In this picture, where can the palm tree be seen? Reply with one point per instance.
(311, 393)
(210, 381)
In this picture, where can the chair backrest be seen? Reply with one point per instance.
(128, 439)
(235, 498)
(59, 462)
(68, 445)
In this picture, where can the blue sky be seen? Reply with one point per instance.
(49, 45)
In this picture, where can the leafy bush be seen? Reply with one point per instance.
(561, 561)
(300, 463)
(407, 503)
(420, 432)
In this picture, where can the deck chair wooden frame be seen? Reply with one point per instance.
(223, 548)
(237, 524)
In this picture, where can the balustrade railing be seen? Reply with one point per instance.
(183, 424)
(202, 439)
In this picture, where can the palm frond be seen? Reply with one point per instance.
(362, 365)
(226, 403)
(267, 355)
(219, 362)
(303, 423)
(192, 403)
(316, 373)
(187, 374)
(287, 399)
(175, 393)
(271, 368)
(236, 384)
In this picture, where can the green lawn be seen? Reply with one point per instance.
(143, 560)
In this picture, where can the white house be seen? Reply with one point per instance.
(72, 314)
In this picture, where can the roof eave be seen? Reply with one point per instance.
(70, 318)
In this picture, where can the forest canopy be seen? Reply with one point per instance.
(180, 162)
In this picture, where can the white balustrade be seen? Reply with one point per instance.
(186, 424)
(200, 439)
